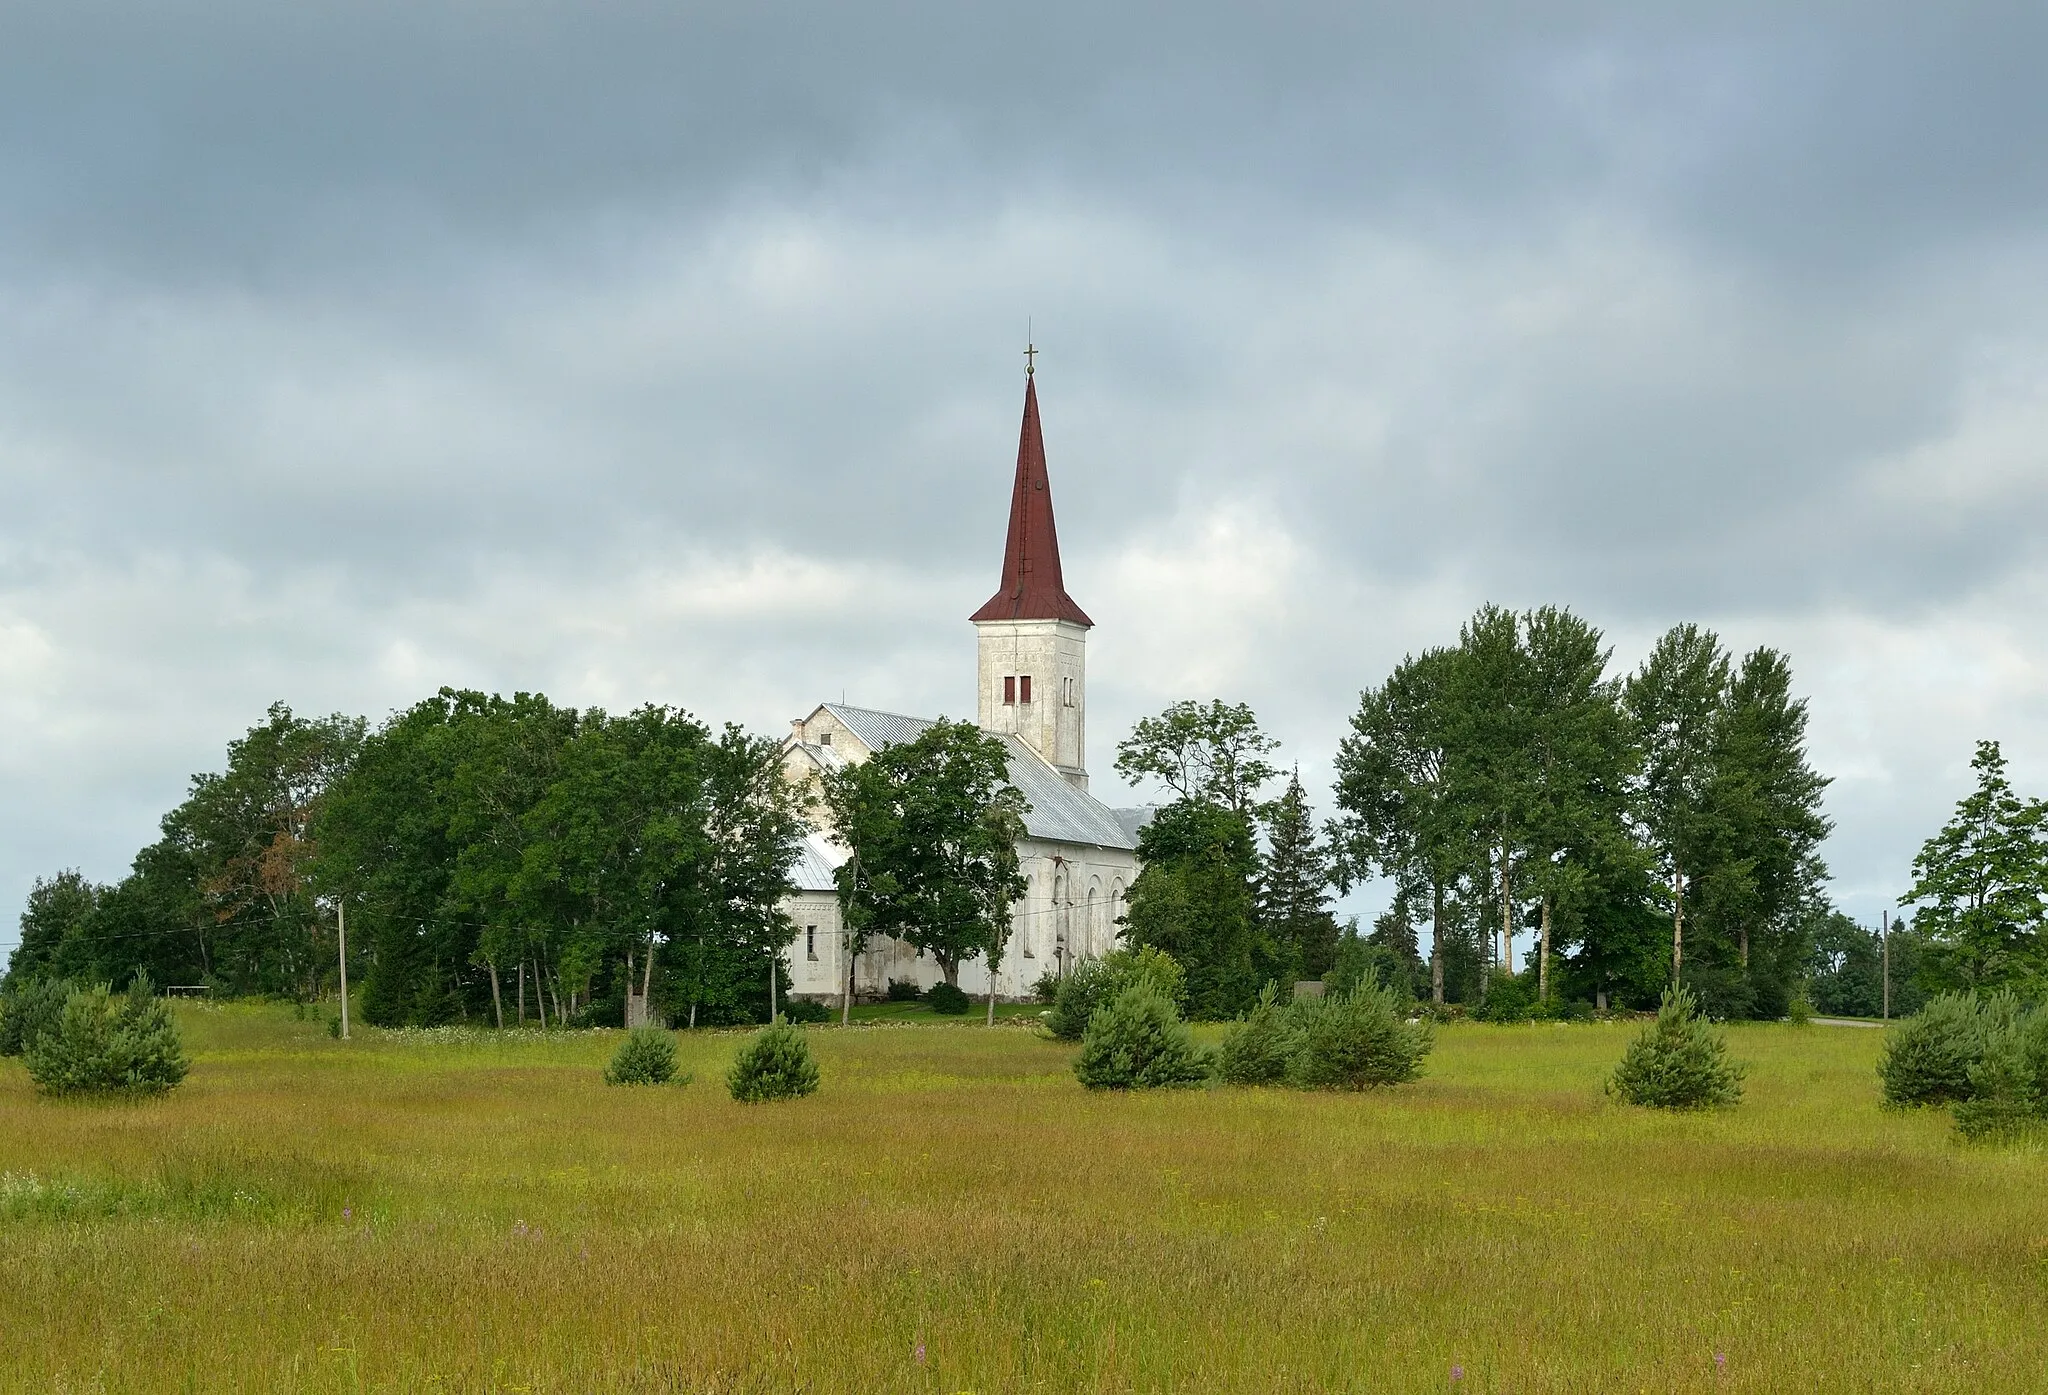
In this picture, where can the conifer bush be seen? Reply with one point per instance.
(1256, 1050)
(30, 1009)
(1094, 983)
(947, 1000)
(646, 1057)
(107, 1044)
(1138, 1042)
(1678, 1061)
(2009, 1085)
(775, 1065)
(1355, 1042)
(1928, 1058)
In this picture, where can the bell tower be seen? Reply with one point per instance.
(1032, 674)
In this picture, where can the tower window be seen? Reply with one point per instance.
(1067, 691)
(810, 942)
(1009, 692)
(824, 738)
(1024, 689)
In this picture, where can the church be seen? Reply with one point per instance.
(1031, 689)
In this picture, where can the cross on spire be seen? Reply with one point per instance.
(1030, 358)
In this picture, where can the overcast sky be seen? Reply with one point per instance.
(673, 353)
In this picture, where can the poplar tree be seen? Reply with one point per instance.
(1400, 818)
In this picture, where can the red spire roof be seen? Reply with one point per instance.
(1032, 589)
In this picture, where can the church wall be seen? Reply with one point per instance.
(1075, 893)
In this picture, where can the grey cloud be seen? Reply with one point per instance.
(645, 352)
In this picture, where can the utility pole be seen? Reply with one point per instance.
(1884, 939)
(341, 939)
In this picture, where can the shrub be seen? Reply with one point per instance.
(1678, 1061)
(1093, 983)
(2009, 1085)
(31, 1009)
(1138, 1042)
(947, 1000)
(646, 1057)
(904, 990)
(104, 1044)
(1508, 999)
(802, 1010)
(1256, 1049)
(775, 1065)
(1928, 1057)
(1047, 987)
(1355, 1042)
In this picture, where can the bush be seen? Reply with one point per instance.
(30, 1010)
(904, 990)
(1508, 999)
(2009, 1086)
(646, 1057)
(947, 1000)
(775, 1065)
(1355, 1042)
(104, 1044)
(1138, 1042)
(1678, 1061)
(1256, 1050)
(1928, 1057)
(1093, 983)
(1046, 988)
(802, 1010)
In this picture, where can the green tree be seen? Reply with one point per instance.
(931, 826)
(249, 831)
(1400, 818)
(1210, 752)
(58, 910)
(1292, 890)
(1674, 701)
(1979, 886)
(1193, 900)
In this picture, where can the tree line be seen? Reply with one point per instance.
(500, 859)
(507, 859)
(1635, 828)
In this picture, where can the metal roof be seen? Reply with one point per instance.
(879, 729)
(1059, 812)
(817, 858)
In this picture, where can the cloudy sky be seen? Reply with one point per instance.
(673, 353)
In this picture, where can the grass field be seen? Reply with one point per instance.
(461, 1212)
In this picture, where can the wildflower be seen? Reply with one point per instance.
(920, 1351)
(1720, 1360)
(1457, 1374)
(348, 1213)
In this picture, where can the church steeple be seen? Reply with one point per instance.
(1032, 672)
(1032, 587)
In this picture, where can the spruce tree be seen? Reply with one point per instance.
(1293, 890)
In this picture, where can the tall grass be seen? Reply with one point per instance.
(477, 1213)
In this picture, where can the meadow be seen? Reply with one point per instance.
(468, 1211)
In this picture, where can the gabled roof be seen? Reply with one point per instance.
(1059, 813)
(878, 729)
(1032, 588)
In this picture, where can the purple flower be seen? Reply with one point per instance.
(1721, 1360)
(347, 1212)
(920, 1351)
(1457, 1374)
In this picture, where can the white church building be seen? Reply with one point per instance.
(1031, 689)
